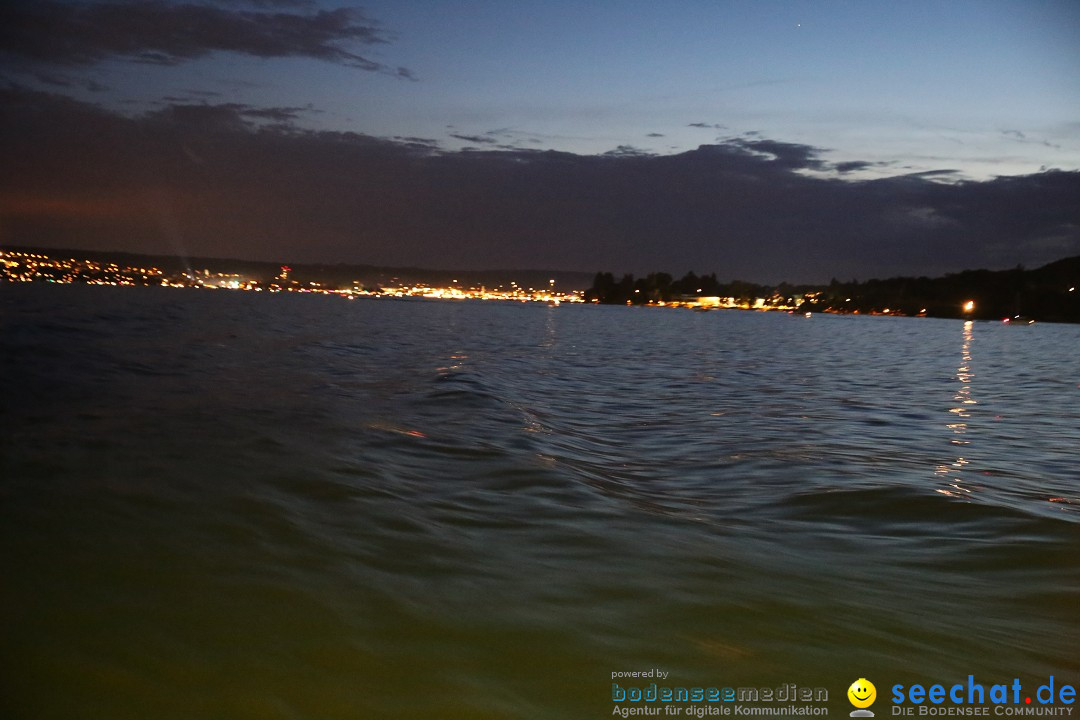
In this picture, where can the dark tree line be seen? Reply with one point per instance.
(661, 287)
(1051, 293)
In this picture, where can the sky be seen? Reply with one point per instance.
(766, 141)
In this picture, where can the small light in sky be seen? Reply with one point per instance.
(969, 306)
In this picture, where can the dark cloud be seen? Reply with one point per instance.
(852, 165)
(499, 138)
(235, 180)
(236, 117)
(418, 141)
(69, 81)
(479, 139)
(270, 3)
(627, 151)
(283, 115)
(655, 135)
(65, 33)
(788, 155)
(943, 173)
(708, 126)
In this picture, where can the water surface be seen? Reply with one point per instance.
(236, 505)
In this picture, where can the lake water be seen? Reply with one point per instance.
(237, 505)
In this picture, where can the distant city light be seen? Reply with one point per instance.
(19, 266)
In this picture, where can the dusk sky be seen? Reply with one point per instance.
(764, 141)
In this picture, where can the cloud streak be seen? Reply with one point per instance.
(163, 33)
(243, 181)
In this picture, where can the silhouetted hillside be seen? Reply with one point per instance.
(1047, 293)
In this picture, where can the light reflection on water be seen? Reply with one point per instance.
(220, 505)
(962, 413)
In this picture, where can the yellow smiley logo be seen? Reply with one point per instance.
(862, 693)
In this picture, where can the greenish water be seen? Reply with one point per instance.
(228, 505)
